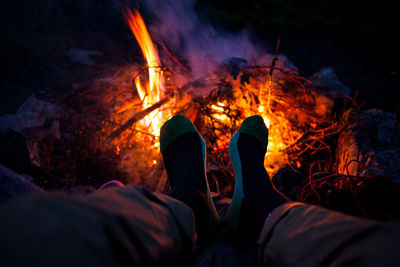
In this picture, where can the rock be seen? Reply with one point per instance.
(36, 121)
(13, 184)
(34, 113)
(372, 140)
(328, 92)
(326, 80)
(5, 122)
(82, 56)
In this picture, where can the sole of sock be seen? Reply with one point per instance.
(174, 129)
(238, 195)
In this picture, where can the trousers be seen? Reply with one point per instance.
(131, 226)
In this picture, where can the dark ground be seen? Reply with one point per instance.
(359, 40)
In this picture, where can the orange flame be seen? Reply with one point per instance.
(282, 134)
(155, 87)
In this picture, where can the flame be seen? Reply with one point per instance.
(277, 123)
(263, 96)
(151, 93)
(217, 108)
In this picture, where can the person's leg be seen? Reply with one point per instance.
(184, 155)
(297, 234)
(118, 226)
(254, 196)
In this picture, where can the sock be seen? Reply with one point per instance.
(184, 163)
(260, 197)
(254, 196)
(184, 156)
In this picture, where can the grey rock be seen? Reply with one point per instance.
(84, 57)
(37, 122)
(13, 184)
(372, 140)
(326, 80)
(5, 122)
(33, 113)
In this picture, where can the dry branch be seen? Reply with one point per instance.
(275, 57)
(138, 116)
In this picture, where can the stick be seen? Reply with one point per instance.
(138, 116)
(173, 57)
(270, 74)
(275, 57)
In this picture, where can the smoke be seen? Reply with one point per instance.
(203, 46)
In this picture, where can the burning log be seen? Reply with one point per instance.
(138, 116)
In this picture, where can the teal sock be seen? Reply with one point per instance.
(254, 196)
(183, 151)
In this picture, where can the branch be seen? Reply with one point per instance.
(138, 116)
(275, 57)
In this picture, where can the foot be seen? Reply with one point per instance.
(184, 156)
(254, 196)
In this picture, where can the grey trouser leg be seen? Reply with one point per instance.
(296, 234)
(116, 227)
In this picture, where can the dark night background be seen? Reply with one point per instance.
(357, 38)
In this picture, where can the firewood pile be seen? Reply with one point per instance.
(306, 118)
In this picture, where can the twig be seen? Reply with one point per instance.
(275, 57)
(173, 57)
(271, 70)
(138, 116)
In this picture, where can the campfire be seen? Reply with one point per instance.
(128, 108)
(108, 126)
